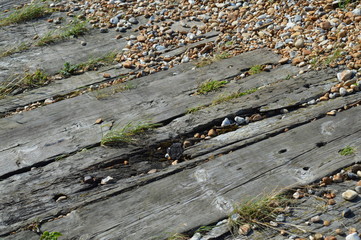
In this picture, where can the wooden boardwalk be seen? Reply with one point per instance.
(46, 153)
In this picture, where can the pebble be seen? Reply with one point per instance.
(226, 122)
(83, 43)
(347, 213)
(153, 171)
(107, 180)
(339, 231)
(98, 121)
(344, 75)
(104, 30)
(196, 236)
(315, 219)
(133, 20)
(299, 43)
(244, 229)
(349, 195)
(353, 236)
(175, 151)
(343, 91)
(212, 133)
(240, 120)
(49, 101)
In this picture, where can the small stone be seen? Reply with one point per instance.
(197, 135)
(83, 43)
(152, 171)
(106, 75)
(283, 232)
(331, 113)
(349, 82)
(212, 133)
(358, 183)
(226, 122)
(118, 36)
(326, 25)
(283, 60)
(128, 64)
(318, 236)
(352, 176)
(344, 75)
(358, 173)
(244, 229)
(88, 179)
(175, 151)
(353, 236)
(240, 120)
(196, 236)
(273, 224)
(141, 38)
(61, 198)
(349, 195)
(326, 223)
(98, 121)
(337, 178)
(324, 98)
(107, 180)
(49, 101)
(186, 144)
(330, 238)
(358, 189)
(352, 230)
(255, 117)
(338, 231)
(334, 89)
(315, 219)
(326, 180)
(297, 195)
(299, 43)
(104, 30)
(133, 20)
(311, 102)
(343, 91)
(175, 162)
(347, 213)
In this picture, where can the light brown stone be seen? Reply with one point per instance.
(326, 25)
(212, 133)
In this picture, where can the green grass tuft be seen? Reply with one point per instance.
(75, 28)
(258, 211)
(28, 81)
(210, 86)
(255, 69)
(209, 60)
(228, 97)
(26, 13)
(347, 151)
(178, 236)
(22, 47)
(126, 134)
(50, 235)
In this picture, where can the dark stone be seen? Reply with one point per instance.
(347, 213)
(175, 151)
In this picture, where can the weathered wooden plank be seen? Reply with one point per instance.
(204, 194)
(59, 88)
(261, 129)
(66, 127)
(81, 164)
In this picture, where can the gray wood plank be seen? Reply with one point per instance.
(204, 194)
(68, 125)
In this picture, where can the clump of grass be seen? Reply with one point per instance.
(255, 69)
(178, 236)
(92, 64)
(343, 3)
(210, 86)
(196, 109)
(104, 93)
(50, 235)
(347, 151)
(258, 211)
(331, 59)
(28, 81)
(127, 133)
(75, 28)
(26, 13)
(228, 97)
(209, 60)
(22, 47)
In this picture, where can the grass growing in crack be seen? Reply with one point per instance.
(221, 99)
(127, 133)
(209, 60)
(72, 69)
(205, 229)
(347, 151)
(178, 236)
(28, 81)
(228, 97)
(210, 86)
(75, 28)
(258, 211)
(22, 47)
(105, 93)
(255, 69)
(50, 235)
(26, 13)
(343, 3)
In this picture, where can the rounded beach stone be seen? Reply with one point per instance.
(349, 195)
